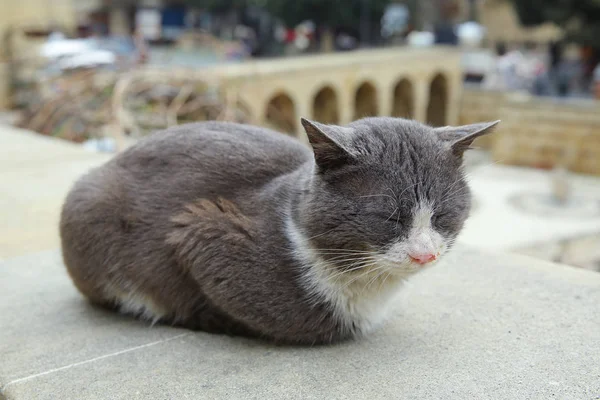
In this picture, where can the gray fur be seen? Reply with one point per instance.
(193, 219)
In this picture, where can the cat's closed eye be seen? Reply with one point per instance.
(442, 220)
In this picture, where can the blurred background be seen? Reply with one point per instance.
(80, 80)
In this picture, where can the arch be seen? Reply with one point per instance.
(437, 109)
(325, 106)
(403, 101)
(365, 101)
(280, 114)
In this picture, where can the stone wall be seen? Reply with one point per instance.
(538, 132)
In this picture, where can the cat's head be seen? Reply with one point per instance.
(386, 191)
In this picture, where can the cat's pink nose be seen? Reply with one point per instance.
(422, 258)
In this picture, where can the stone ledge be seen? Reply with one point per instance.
(483, 325)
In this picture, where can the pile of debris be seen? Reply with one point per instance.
(73, 106)
(91, 104)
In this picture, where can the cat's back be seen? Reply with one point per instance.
(238, 150)
(187, 162)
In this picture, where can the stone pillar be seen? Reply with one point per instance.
(258, 111)
(455, 87)
(327, 41)
(384, 99)
(421, 99)
(303, 108)
(346, 105)
(255, 102)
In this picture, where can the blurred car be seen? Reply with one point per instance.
(92, 52)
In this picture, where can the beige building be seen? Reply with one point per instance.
(36, 15)
(503, 25)
(33, 17)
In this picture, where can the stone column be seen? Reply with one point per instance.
(303, 108)
(421, 99)
(346, 104)
(455, 87)
(384, 99)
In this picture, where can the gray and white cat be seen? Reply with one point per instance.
(236, 229)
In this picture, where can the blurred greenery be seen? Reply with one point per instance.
(328, 13)
(579, 18)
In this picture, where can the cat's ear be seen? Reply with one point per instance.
(329, 144)
(460, 138)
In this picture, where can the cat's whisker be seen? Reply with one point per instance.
(345, 250)
(364, 274)
(455, 191)
(335, 253)
(392, 190)
(337, 256)
(456, 181)
(355, 259)
(375, 278)
(445, 200)
(451, 190)
(358, 278)
(337, 276)
(392, 214)
(345, 269)
(350, 262)
(321, 234)
(382, 284)
(407, 188)
(379, 195)
(395, 196)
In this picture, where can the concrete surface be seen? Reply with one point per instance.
(481, 326)
(35, 174)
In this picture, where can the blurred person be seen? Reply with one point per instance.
(500, 49)
(141, 47)
(568, 71)
(596, 82)
(541, 83)
(445, 33)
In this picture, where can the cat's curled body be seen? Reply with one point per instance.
(236, 229)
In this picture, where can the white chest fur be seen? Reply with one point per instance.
(360, 299)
